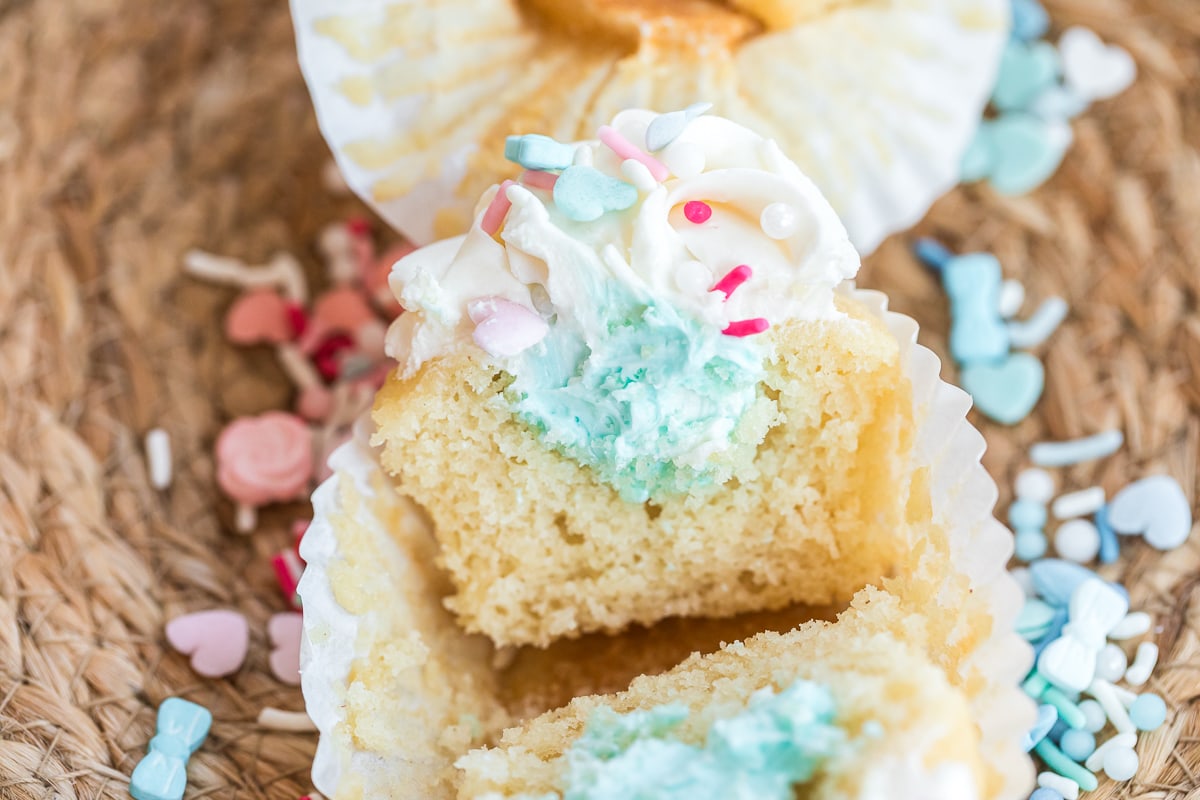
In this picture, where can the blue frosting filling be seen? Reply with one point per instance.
(778, 741)
(646, 404)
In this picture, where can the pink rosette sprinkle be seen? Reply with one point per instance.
(266, 458)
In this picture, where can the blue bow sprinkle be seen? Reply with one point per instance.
(162, 774)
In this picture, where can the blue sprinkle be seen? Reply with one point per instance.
(1060, 727)
(1029, 20)
(534, 151)
(1074, 451)
(1078, 744)
(1053, 632)
(1047, 717)
(1148, 712)
(1029, 545)
(932, 253)
(1110, 545)
(1027, 514)
(1055, 580)
(1045, 793)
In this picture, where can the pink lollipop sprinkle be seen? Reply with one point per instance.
(538, 179)
(746, 327)
(697, 212)
(496, 210)
(627, 149)
(736, 277)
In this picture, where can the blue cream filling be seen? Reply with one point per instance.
(649, 404)
(777, 741)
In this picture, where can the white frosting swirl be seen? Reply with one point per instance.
(555, 266)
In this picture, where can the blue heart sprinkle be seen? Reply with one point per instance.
(1027, 151)
(584, 194)
(1026, 70)
(1047, 716)
(534, 151)
(980, 157)
(977, 331)
(1029, 20)
(1007, 391)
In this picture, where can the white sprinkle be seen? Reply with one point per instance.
(1068, 788)
(583, 156)
(1144, 661)
(638, 174)
(1121, 763)
(1039, 326)
(684, 159)
(1074, 451)
(1077, 540)
(1012, 297)
(1096, 759)
(1035, 485)
(1094, 716)
(278, 720)
(779, 220)
(1078, 504)
(1111, 663)
(1117, 715)
(1135, 624)
(1125, 696)
(158, 457)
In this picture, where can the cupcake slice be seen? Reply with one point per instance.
(623, 400)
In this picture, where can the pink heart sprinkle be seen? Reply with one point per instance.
(284, 631)
(259, 316)
(216, 640)
(504, 328)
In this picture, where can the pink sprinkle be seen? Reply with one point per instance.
(697, 211)
(496, 210)
(627, 149)
(746, 327)
(539, 180)
(736, 277)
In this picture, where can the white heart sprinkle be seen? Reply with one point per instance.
(1092, 69)
(1155, 507)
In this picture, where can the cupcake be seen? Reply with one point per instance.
(876, 101)
(639, 414)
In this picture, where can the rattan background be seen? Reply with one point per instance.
(131, 130)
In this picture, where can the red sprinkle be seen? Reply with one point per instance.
(538, 179)
(746, 327)
(297, 319)
(497, 210)
(288, 568)
(326, 356)
(736, 277)
(697, 211)
(359, 226)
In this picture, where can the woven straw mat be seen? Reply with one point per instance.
(132, 130)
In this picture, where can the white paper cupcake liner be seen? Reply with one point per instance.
(976, 597)
(876, 102)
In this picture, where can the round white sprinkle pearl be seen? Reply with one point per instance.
(1078, 504)
(158, 458)
(1094, 718)
(779, 220)
(1035, 484)
(1012, 297)
(1120, 763)
(1096, 760)
(1111, 663)
(1068, 788)
(1077, 540)
(684, 159)
(1144, 661)
(1135, 624)
(638, 174)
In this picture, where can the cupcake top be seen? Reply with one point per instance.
(625, 284)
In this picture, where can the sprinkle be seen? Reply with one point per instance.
(1074, 451)
(1094, 717)
(288, 568)
(779, 220)
(626, 149)
(534, 151)
(1047, 715)
(1113, 708)
(158, 457)
(1110, 545)
(1063, 787)
(1078, 744)
(1126, 697)
(1148, 712)
(217, 640)
(932, 253)
(697, 211)
(746, 327)
(1135, 624)
(497, 210)
(1038, 327)
(1025, 580)
(1094, 70)
(735, 278)
(1096, 760)
(1144, 661)
(1035, 620)
(278, 720)
(1026, 513)
(284, 632)
(536, 179)
(1012, 297)
(636, 173)
(283, 271)
(1035, 485)
(1007, 390)
(181, 727)
(584, 193)
(1068, 712)
(665, 128)
(504, 328)
(1077, 540)
(1111, 663)
(1120, 763)
(1029, 544)
(1155, 507)
(1057, 761)
(1056, 580)
(1078, 504)
(1046, 793)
